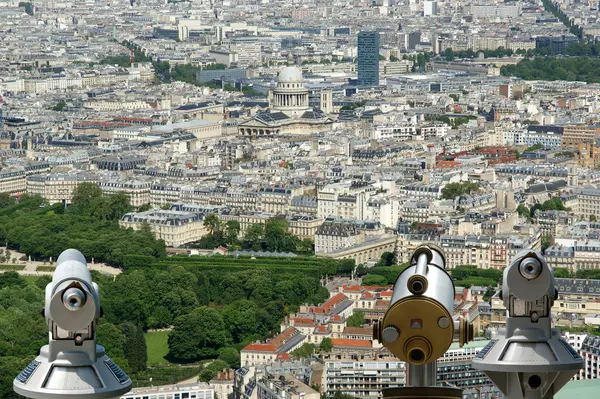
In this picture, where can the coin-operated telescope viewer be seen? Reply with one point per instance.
(529, 359)
(72, 366)
(418, 327)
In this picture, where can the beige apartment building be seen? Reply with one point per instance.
(57, 187)
(138, 192)
(13, 181)
(175, 228)
(577, 134)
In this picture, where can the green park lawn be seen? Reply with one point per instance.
(158, 347)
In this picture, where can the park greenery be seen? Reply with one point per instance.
(273, 236)
(453, 190)
(562, 17)
(90, 224)
(59, 107)
(583, 69)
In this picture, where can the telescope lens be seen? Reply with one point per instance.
(417, 286)
(73, 299)
(535, 381)
(530, 268)
(416, 355)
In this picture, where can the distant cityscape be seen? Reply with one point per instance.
(317, 132)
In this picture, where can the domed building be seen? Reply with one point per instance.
(289, 112)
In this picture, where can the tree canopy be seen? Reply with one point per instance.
(453, 190)
(582, 69)
(90, 225)
(356, 320)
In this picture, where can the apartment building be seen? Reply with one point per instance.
(347, 199)
(58, 187)
(331, 237)
(223, 384)
(175, 228)
(277, 348)
(363, 378)
(577, 134)
(362, 372)
(550, 221)
(179, 391)
(13, 181)
(283, 386)
(162, 194)
(590, 351)
(588, 202)
(138, 192)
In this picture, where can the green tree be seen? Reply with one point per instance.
(86, 199)
(278, 238)
(546, 242)
(210, 371)
(326, 345)
(212, 223)
(60, 106)
(306, 350)
(11, 279)
(534, 208)
(560, 272)
(356, 320)
(254, 236)
(198, 335)
(231, 356)
(374, 279)
(113, 340)
(523, 211)
(232, 231)
(241, 317)
(554, 204)
(387, 259)
(145, 208)
(5, 200)
(453, 190)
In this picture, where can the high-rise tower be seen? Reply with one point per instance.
(368, 58)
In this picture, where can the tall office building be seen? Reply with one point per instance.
(368, 58)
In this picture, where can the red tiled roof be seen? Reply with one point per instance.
(283, 357)
(358, 331)
(447, 164)
(284, 336)
(336, 317)
(303, 321)
(274, 344)
(382, 303)
(357, 288)
(260, 348)
(356, 343)
(321, 329)
(385, 293)
(333, 301)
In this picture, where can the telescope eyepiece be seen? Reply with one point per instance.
(73, 299)
(530, 268)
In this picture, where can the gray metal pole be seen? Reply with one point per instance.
(424, 375)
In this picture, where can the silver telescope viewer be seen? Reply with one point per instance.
(528, 359)
(72, 365)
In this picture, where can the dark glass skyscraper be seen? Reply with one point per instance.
(368, 58)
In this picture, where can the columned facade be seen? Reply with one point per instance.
(290, 96)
